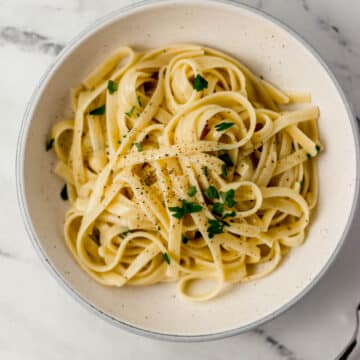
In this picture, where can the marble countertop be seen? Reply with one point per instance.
(40, 321)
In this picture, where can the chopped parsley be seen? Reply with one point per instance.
(166, 257)
(211, 192)
(64, 193)
(130, 112)
(98, 111)
(308, 156)
(184, 239)
(192, 191)
(224, 126)
(139, 100)
(229, 215)
(224, 170)
(126, 233)
(301, 184)
(200, 83)
(49, 144)
(225, 157)
(206, 172)
(138, 146)
(317, 147)
(216, 227)
(112, 86)
(228, 197)
(218, 209)
(187, 208)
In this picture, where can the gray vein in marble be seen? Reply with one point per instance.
(259, 4)
(305, 5)
(7, 255)
(326, 26)
(281, 349)
(29, 40)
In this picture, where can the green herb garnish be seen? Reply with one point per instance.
(211, 192)
(192, 191)
(187, 208)
(301, 184)
(224, 126)
(226, 159)
(166, 257)
(218, 209)
(228, 197)
(224, 170)
(184, 239)
(229, 215)
(216, 227)
(130, 112)
(64, 193)
(317, 147)
(200, 83)
(308, 156)
(206, 172)
(49, 144)
(138, 146)
(139, 100)
(112, 86)
(98, 111)
(126, 233)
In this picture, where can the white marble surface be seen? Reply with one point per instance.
(39, 320)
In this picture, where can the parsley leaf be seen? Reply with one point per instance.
(216, 227)
(317, 147)
(184, 239)
(224, 126)
(192, 191)
(49, 144)
(112, 86)
(130, 112)
(200, 83)
(224, 170)
(206, 172)
(211, 192)
(64, 193)
(302, 185)
(139, 100)
(138, 146)
(187, 208)
(229, 215)
(98, 111)
(166, 257)
(228, 197)
(218, 209)
(225, 157)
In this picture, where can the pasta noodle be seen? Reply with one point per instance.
(182, 165)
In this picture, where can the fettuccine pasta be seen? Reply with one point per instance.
(180, 164)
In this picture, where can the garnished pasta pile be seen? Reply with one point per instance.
(182, 165)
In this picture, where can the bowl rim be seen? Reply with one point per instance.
(19, 169)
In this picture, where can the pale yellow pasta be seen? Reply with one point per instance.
(182, 165)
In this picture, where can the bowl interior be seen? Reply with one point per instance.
(267, 49)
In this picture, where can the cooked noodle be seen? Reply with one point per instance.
(182, 165)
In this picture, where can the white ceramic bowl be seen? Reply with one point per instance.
(270, 49)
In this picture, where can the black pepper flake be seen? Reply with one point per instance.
(49, 144)
(64, 193)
